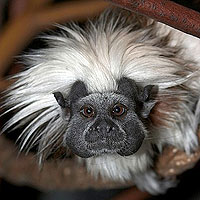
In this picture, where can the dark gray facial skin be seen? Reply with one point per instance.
(109, 122)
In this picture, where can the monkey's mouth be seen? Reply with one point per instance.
(91, 150)
(123, 148)
(104, 146)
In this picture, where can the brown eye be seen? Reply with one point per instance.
(119, 110)
(87, 111)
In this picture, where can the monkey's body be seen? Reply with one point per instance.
(110, 55)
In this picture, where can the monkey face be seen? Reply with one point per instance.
(104, 123)
(108, 122)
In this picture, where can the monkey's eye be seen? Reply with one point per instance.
(119, 110)
(87, 111)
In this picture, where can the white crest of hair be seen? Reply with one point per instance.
(118, 44)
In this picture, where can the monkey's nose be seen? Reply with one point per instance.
(104, 130)
(98, 133)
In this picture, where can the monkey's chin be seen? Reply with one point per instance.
(128, 151)
(97, 153)
(82, 154)
(94, 152)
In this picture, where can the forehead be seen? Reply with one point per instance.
(104, 99)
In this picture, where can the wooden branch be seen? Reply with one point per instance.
(4, 84)
(70, 11)
(34, 5)
(167, 12)
(19, 31)
(67, 174)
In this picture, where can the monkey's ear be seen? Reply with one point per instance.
(143, 97)
(78, 90)
(64, 104)
(146, 98)
(128, 88)
(60, 99)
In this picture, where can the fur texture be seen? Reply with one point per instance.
(118, 44)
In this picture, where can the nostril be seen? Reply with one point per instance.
(109, 129)
(98, 128)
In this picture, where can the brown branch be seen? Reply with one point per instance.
(19, 31)
(67, 174)
(167, 12)
(34, 5)
(4, 84)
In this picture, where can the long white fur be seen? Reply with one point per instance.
(99, 55)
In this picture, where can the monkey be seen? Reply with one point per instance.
(110, 92)
(106, 124)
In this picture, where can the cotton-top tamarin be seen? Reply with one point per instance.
(111, 92)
